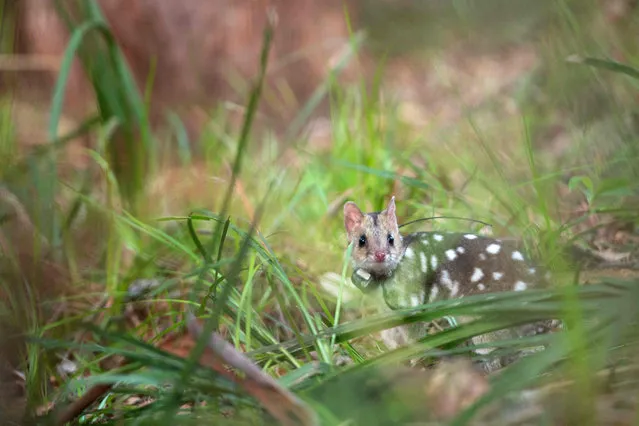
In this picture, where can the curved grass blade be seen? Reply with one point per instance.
(607, 64)
(531, 305)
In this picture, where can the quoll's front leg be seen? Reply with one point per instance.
(394, 337)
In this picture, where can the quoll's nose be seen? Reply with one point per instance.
(380, 256)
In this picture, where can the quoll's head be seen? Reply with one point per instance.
(377, 244)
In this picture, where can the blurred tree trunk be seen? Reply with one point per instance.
(204, 51)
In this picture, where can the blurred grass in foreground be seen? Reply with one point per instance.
(249, 255)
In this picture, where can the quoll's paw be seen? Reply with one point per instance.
(540, 327)
(492, 362)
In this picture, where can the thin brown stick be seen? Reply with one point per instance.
(78, 406)
(277, 400)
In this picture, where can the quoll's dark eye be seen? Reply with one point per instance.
(362, 241)
(391, 239)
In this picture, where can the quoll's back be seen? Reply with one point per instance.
(438, 266)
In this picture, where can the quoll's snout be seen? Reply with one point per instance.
(380, 256)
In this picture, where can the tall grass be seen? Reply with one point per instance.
(117, 97)
(251, 273)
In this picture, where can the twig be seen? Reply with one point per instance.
(277, 400)
(78, 406)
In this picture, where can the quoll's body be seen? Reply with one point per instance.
(436, 266)
(425, 267)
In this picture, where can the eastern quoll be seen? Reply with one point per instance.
(424, 267)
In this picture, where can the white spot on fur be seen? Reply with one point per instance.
(409, 253)
(433, 293)
(520, 286)
(445, 279)
(481, 287)
(497, 275)
(455, 289)
(478, 274)
(433, 261)
(451, 255)
(482, 256)
(438, 237)
(517, 255)
(470, 236)
(493, 248)
(461, 250)
(422, 259)
(532, 271)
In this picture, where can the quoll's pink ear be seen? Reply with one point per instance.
(390, 213)
(390, 209)
(353, 216)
